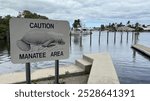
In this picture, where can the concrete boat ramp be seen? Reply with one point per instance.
(98, 66)
(141, 48)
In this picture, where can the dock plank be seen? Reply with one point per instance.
(143, 49)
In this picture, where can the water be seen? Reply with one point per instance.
(131, 66)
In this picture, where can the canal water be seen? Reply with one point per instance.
(131, 66)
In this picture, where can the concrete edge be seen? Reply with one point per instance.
(96, 59)
(145, 52)
(52, 77)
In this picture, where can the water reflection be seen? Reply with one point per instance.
(76, 39)
(134, 55)
(142, 54)
(3, 45)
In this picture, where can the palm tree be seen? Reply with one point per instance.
(77, 23)
(128, 22)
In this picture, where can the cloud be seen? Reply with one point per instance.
(86, 10)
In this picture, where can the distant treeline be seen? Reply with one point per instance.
(4, 21)
(113, 26)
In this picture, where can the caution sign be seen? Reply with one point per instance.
(33, 40)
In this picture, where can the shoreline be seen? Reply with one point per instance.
(38, 74)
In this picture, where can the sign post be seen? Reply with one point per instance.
(33, 40)
(28, 73)
(56, 71)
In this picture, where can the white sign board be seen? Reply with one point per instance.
(33, 40)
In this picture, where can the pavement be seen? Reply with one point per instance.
(18, 77)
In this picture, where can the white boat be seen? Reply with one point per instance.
(83, 31)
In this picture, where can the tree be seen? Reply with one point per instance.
(4, 26)
(113, 25)
(77, 23)
(137, 28)
(119, 25)
(128, 23)
(102, 27)
(4, 21)
(109, 25)
(28, 14)
(136, 25)
(2, 31)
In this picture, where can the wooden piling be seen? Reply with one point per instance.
(115, 37)
(90, 37)
(127, 36)
(107, 37)
(99, 36)
(121, 37)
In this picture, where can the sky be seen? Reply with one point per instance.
(91, 12)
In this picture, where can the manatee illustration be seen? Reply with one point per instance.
(39, 38)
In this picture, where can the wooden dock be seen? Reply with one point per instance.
(141, 48)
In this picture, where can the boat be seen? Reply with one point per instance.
(83, 31)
